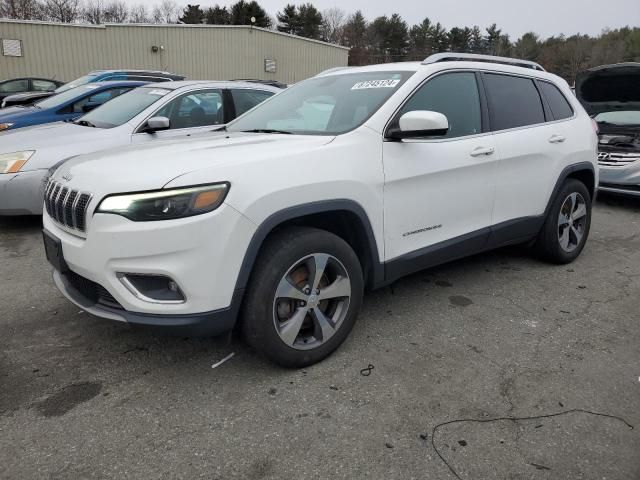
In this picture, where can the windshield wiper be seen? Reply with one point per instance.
(265, 130)
(84, 123)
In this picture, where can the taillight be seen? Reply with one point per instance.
(595, 126)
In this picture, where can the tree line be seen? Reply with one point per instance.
(383, 39)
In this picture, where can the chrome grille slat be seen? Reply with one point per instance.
(66, 206)
(617, 159)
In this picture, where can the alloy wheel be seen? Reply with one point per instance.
(311, 301)
(572, 221)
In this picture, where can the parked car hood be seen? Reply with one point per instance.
(152, 166)
(53, 142)
(609, 88)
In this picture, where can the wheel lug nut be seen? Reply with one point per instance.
(307, 291)
(318, 291)
(302, 303)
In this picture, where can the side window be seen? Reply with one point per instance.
(96, 99)
(456, 96)
(43, 85)
(15, 86)
(513, 101)
(246, 99)
(197, 109)
(560, 107)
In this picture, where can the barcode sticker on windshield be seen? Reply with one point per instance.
(375, 84)
(158, 92)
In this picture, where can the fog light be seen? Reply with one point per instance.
(152, 288)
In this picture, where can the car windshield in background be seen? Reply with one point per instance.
(123, 108)
(76, 83)
(329, 105)
(64, 97)
(631, 117)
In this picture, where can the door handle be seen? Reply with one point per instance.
(476, 152)
(556, 139)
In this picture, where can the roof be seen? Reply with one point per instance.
(171, 25)
(207, 83)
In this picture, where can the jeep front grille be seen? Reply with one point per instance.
(617, 159)
(66, 206)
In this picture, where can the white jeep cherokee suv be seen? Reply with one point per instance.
(346, 181)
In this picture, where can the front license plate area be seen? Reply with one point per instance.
(53, 250)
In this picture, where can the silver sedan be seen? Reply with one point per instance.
(145, 114)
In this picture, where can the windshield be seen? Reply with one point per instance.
(631, 117)
(123, 108)
(62, 98)
(76, 83)
(329, 105)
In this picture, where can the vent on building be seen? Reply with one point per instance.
(269, 65)
(11, 48)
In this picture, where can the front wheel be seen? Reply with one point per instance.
(567, 225)
(303, 296)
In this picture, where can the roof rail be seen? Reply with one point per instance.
(474, 57)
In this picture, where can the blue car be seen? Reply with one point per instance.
(64, 106)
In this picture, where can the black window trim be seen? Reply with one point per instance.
(547, 104)
(484, 109)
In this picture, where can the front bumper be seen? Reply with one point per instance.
(22, 193)
(191, 325)
(202, 254)
(622, 179)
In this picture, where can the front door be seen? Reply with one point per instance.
(440, 189)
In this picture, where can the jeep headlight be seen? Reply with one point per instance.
(165, 204)
(13, 162)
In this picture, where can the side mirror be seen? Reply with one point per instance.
(155, 124)
(87, 107)
(418, 124)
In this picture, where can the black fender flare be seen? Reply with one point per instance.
(566, 173)
(291, 213)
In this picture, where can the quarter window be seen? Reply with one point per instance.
(513, 101)
(560, 107)
(456, 96)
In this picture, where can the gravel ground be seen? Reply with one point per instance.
(461, 358)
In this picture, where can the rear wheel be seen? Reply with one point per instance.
(567, 225)
(303, 297)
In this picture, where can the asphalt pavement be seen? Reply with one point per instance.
(493, 367)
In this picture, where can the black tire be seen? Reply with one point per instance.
(260, 313)
(548, 245)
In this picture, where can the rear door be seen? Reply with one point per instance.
(531, 146)
(244, 99)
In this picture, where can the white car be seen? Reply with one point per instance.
(156, 111)
(346, 181)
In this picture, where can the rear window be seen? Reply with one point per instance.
(513, 101)
(560, 107)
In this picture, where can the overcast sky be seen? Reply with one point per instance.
(515, 17)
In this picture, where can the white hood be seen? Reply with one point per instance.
(54, 142)
(152, 166)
